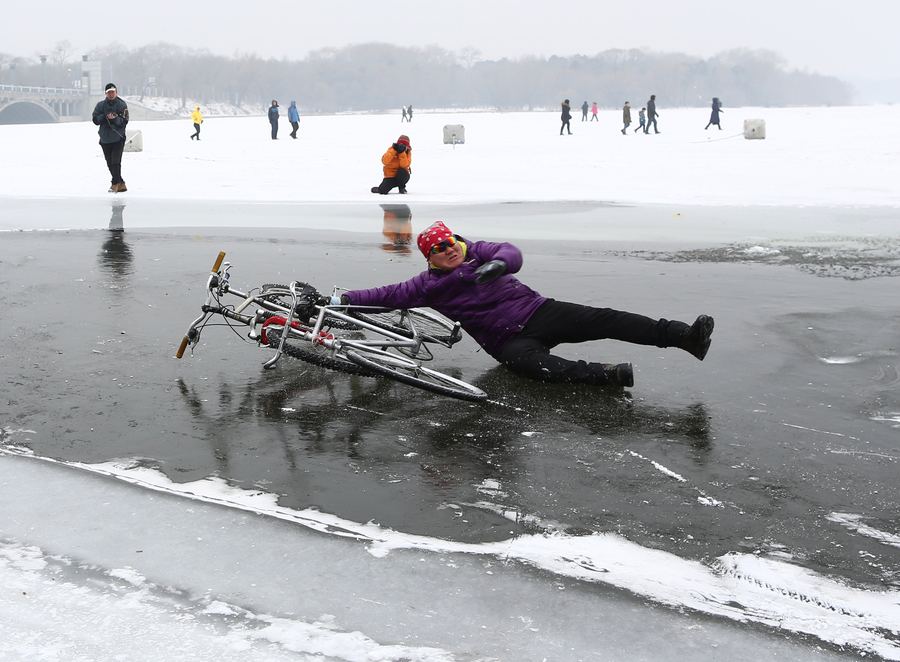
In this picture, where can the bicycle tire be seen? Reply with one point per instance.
(430, 326)
(274, 338)
(412, 374)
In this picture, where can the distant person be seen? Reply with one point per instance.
(584, 111)
(626, 117)
(197, 116)
(642, 121)
(409, 113)
(397, 161)
(273, 119)
(294, 119)
(566, 117)
(405, 117)
(714, 116)
(111, 115)
(472, 282)
(651, 115)
(594, 112)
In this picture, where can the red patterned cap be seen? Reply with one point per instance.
(432, 236)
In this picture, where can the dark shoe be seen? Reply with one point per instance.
(619, 374)
(696, 338)
(402, 189)
(375, 189)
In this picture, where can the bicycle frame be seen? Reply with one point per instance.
(218, 285)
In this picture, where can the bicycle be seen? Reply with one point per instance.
(358, 340)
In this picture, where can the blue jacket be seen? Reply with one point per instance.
(293, 113)
(491, 313)
(111, 130)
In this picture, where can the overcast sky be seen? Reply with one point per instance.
(834, 37)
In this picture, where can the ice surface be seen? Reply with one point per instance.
(209, 569)
(203, 570)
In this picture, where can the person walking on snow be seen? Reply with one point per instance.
(594, 112)
(197, 117)
(397, 161)
(626, 117)
(409, 113)
(473, 283)
(273, 119)
(714, 116)
(294, 119)
(404, 119)
(651, 115)
(584, 109)
(566, 117)
(642, 121)
(111, 116)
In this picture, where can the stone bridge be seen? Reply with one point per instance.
(42, 105)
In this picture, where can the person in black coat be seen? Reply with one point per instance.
(566, 117)
(273, 119)
(111, 115)
(651, 115)
(714, 116)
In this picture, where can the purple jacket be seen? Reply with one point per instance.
(491, 313)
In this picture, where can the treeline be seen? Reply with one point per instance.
(377, 76)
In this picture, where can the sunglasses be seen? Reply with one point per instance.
(444, 245)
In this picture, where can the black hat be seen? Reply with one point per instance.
(109, 86)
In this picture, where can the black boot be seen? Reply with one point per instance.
(696, 338)
(619, 374)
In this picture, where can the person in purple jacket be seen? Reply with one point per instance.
(473, 283)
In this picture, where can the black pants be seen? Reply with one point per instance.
(528, 352)
(295, 126)
(113, 154)
(196, 133)
(399, 180)
(275, 130)
(565, 125)
(647, 128)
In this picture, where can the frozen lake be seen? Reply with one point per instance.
(736, 508)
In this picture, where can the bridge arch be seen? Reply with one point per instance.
(21, 111)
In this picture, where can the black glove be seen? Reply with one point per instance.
(399, 148)
(490, 271)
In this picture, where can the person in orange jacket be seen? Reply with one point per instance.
(397, 161)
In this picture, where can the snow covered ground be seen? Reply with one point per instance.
(811, 156)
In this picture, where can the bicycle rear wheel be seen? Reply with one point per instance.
(332, 363)
(411, 373)
(429, 326)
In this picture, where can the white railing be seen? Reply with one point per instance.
(42, 90)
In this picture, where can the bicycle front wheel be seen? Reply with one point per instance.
(411, 373)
